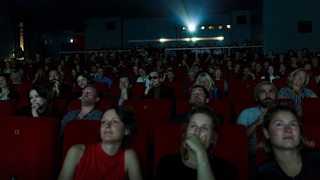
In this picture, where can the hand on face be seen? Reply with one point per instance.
(195, 143)
(34, 109)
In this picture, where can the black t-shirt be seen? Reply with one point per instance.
(171, 167)
(310, 168)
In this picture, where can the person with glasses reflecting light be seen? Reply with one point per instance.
(155, 89)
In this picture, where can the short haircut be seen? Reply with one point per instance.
(262, 83)
(206, 92)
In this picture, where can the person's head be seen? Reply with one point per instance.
(142, 71)
(299, 77)
(5, 81)
(198, 95)
(218, 73)
(15, 77)
(90, 95)
(202, 122)
(83, 79)
(282, 130)
(270, 70)
(265, 94)
(39, 95)
(154, 78)
(54, 75)
(117, 125)
(125, 81)
(100, 72)
(205, 80)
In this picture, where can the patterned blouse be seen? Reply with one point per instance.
(290, 94)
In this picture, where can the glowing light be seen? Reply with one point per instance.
(202, 27)
(211, 27)
(220, 26)
(162, 40)
(193, 39)
(192, 28)
(184, 28)
(71, 40)
(228, 26)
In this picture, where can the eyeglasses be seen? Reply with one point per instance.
(152, 77)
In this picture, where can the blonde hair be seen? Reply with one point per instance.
(293, 73)
(207, 76)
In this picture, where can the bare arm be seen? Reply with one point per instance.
(71, 161)
(132, 165)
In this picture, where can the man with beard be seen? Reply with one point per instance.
(198, 96)
(58, 89)
(265, 94)
(89, 98)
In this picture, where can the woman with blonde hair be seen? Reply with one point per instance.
(297, 87)
(205, 80)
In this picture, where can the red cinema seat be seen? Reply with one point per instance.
(30, 147)
(222, 107)
(151, 111)
(88, 132)
(8, 107)
(137, 89)
(309, 110)
(178, 88)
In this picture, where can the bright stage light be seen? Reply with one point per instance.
(192, 28)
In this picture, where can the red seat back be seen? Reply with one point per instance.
(30, 147)
(8, 107)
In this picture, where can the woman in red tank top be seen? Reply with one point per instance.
(108, 159)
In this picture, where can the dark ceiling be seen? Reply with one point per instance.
(58, 13)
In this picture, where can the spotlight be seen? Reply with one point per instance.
(192, 27)
(202, 27)
(228, 26)
(220, 26)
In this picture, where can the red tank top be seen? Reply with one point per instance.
(96, 164)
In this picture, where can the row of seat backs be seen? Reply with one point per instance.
(151, 107)
(30, 147)
(231, 145)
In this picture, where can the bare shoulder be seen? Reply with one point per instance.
(76, 151)
(130, 153)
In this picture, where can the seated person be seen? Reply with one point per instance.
(296, 90)
(155, 89)
(6, 88)
(41, 104)
(198, 96)
(283, 139)
(108, 159)
(83, 80)
(204, 79)
(125, 85)
(196, 159)
(56, 87)
(100, 77)
(89, 98)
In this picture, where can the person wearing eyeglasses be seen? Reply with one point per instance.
(155, 89)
